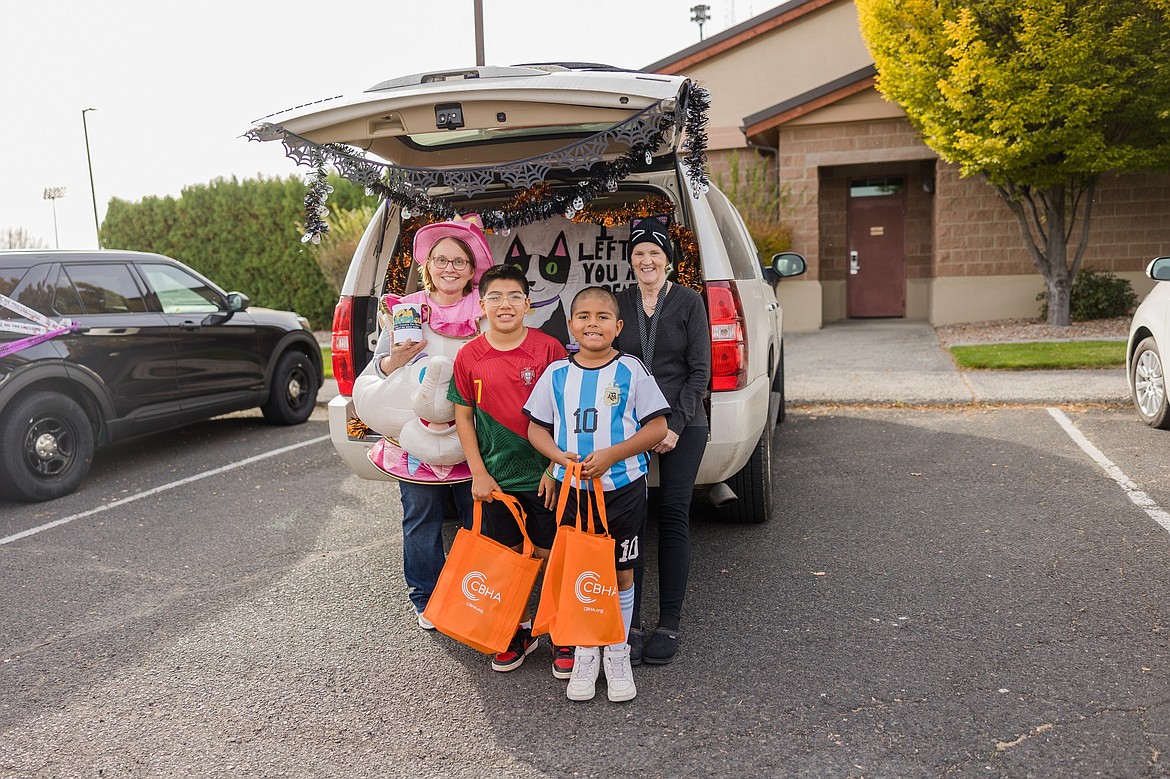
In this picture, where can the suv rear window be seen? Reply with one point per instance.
(741, 250)
(27, 286)
(9, 278)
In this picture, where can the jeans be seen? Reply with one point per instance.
(671, 501)
(423, 509)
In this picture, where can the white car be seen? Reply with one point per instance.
(485, 139)
(1149, 337)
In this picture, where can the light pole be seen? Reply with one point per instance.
(93, 193)
(479, 60)
(51, 194)
(699, 13)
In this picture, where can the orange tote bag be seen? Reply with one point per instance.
(579, 602)
(484, 586)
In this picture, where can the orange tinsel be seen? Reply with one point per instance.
(356, 429)
(686, 270)
(639, 209)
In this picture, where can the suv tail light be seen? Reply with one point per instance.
(728, 338)
(342, 343)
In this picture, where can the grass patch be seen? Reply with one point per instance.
(327, 361)
(1041, 355)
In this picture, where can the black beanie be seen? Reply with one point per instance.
(653, 229)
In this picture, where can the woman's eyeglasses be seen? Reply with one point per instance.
(458, 263)
(495, 299)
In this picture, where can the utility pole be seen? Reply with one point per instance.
(92, 192)
(479, 59)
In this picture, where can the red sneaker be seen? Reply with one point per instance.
(513, 657)
(562, 663)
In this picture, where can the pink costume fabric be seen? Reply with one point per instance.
(457, 320)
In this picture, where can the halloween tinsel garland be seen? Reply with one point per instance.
(409, 188)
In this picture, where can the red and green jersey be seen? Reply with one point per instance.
(496, 385)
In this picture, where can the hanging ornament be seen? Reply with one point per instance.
(698, 100)
(535, 199)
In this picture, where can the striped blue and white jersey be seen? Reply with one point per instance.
(587, 409)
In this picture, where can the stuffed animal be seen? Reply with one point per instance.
(430, 436)
(411, 410)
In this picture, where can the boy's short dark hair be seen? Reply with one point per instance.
(503, 273)
(596, 292)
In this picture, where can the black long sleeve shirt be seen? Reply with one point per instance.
(682, 350)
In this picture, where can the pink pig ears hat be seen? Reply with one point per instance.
(468, 228)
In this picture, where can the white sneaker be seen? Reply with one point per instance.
(619, 676)
(423, 622)
(586, 665)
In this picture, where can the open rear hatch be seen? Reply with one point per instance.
(545, 139)
(485, 116)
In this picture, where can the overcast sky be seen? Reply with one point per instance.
(176, 84)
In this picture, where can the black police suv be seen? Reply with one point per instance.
(153, 345)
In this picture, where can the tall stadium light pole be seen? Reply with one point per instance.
(699, 13)
(92, 192)
(51, 194)
(479, 58)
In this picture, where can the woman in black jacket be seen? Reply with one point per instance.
(665, 325)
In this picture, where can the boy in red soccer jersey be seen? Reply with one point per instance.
(494, 375)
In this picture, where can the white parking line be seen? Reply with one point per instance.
(32, 531)
(1139, 498)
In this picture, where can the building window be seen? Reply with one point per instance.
(876, 187)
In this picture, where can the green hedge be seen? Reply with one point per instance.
(243, 235)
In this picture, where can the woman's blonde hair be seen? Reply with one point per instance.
(429, 283)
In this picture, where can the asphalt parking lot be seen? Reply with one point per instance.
(944, 590)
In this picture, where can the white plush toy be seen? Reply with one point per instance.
(430, 435)
(411, 410)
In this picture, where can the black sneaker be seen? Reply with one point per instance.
(562, 662)
(512, 658)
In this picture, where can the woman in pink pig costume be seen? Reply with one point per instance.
(406, 397)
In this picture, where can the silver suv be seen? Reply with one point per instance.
(555, 158)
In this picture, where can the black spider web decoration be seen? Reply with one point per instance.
(409, 187)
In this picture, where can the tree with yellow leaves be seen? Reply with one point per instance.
(1040, 97)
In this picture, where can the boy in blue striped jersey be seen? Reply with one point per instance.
(603, 408)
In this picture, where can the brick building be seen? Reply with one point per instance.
(888, 229)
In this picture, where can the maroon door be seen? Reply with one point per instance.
(877, 255)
